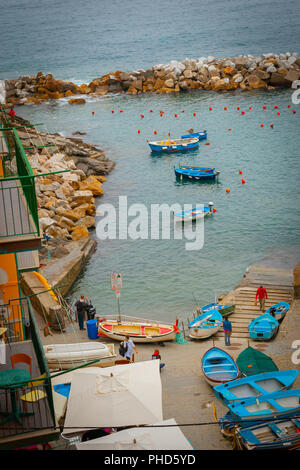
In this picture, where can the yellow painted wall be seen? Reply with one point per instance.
(9, 289)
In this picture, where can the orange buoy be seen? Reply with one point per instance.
(169, 134)
(155, 132)
(229, 129)
(210, 108)
(139, 131)
(261, 125)
(240, 172)
(214, 210)
(238, 108)
(271, 125)
(289, 105)
(242, 112)
(93, 112)
(194, 114)
(121, 110)
(225, 108)
(142, 116)
(243, 181)
(175, 115)
(250, 107)
(264, 107)
(275, 107)
(207, 143)
(182, 111)
(227, 190)
(112, 111)
(151, 111)
(278, 114)
(294, 111)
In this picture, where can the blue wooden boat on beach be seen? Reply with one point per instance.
(200, 135)
(192, 214)
(256, 385)
(196, 173)
(277, 434)
(271, 406)
(278, 310)
(263, 327)
(205, 325)
(223, 309)
(219, 367)
(175, 145)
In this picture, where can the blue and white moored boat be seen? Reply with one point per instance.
(205, 325)
(219, 367)
(176, 145)
(277, 434)
(223, 309)
(266, 407)
(196, 173)
(263, 327)
(193, 214)
(200, 135)
(256, 385)
(279, 310)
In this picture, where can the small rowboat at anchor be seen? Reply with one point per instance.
(200, 135)
(196, 173)
(175, 145)
(193, 214)
(205, 325)
(139, 330)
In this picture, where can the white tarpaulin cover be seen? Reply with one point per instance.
(146, 438)
(123, 395)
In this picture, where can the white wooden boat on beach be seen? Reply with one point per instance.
(67, 356)
(139, 330)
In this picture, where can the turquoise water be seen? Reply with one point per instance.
(77, 41)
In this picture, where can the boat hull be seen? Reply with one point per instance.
(139, 331)
(177, 145)
(67, 356)
(205, 325)
(200, 333)
(263, 328)
(200, 135)
(196, 175)
(218, 367)
(279, 310)
(193, 214)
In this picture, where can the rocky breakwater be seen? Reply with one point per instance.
(246, 72)
(66, 200)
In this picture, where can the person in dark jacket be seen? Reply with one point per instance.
(81, 307)
(227, 330)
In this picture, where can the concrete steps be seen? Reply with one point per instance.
(246, 311)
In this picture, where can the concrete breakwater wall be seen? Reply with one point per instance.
(267, 71)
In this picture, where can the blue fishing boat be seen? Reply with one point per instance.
(279, 310)
(205, 325)
(196, 173)
(176, 145)
(219, 367)
(277, 434)
(200, 135)
(271, 406)
(256, 385)
(192, 214)
(223, 309)
(263, 327)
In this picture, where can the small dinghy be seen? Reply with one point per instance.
(252, 362)
(223, 309)
(67, 356)
(218, 367)
(138, 329)
(176, 145)
(279, 310)
(193, 214)
(200, 135)
(196, 173)
(278, 434)
(266, 407)
(256, 385)
(205, 325)
(263, 327)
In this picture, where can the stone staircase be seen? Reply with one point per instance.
(245, 311)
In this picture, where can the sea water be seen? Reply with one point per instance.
(77, 41)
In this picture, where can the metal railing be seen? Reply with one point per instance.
(33, 397)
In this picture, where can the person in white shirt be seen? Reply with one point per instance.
(130, 347)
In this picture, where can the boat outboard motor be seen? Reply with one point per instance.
(91, 311)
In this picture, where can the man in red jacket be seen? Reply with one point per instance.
(262, 295)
